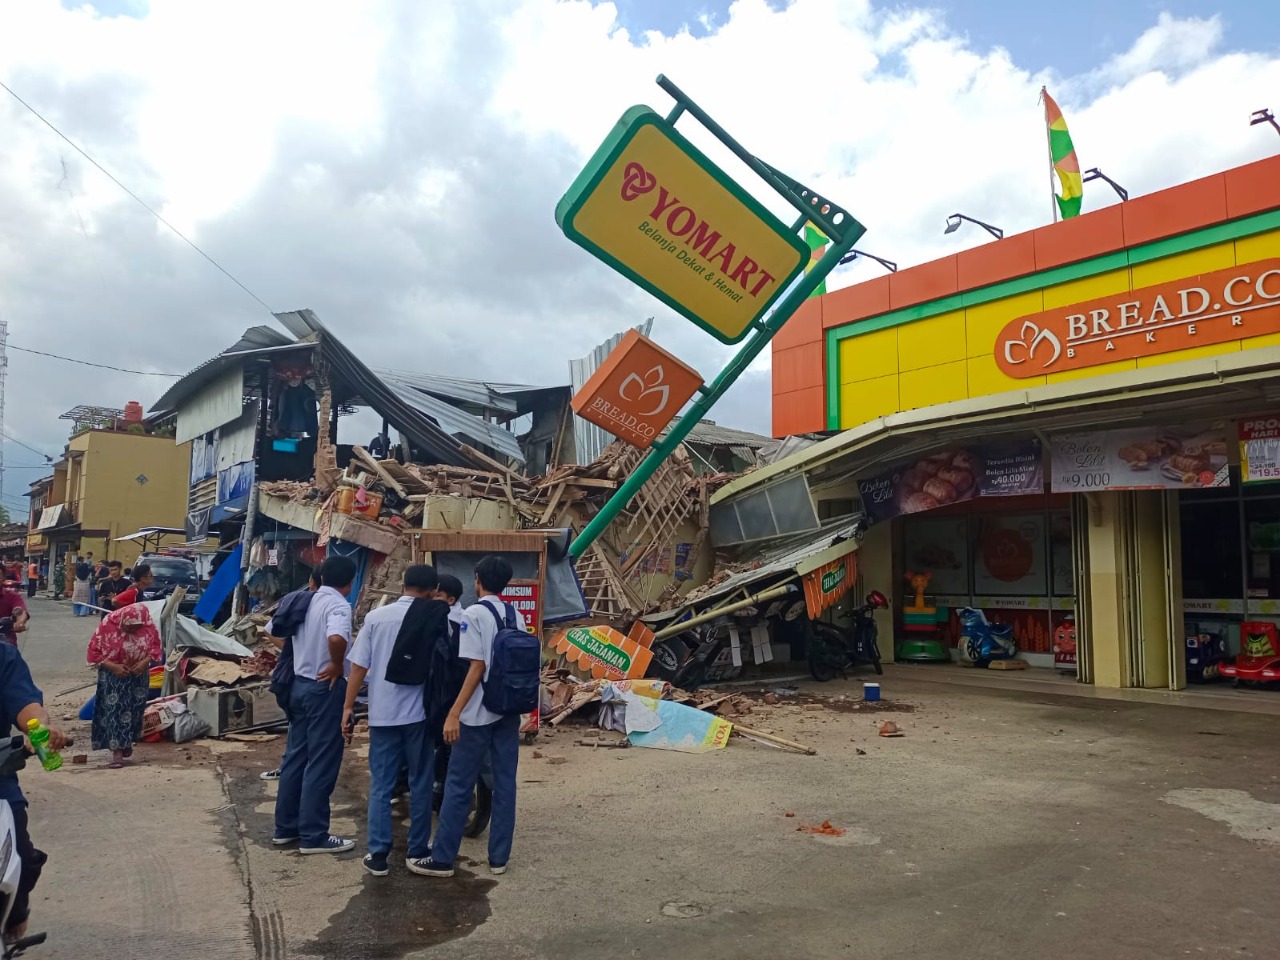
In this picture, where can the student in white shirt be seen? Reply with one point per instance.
(313, 753)
(397, 719)
(474, 733)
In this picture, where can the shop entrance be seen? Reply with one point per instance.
(1230, 572)
(1010, 557)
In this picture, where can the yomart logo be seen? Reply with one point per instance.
(636, 180)
(1216, 307)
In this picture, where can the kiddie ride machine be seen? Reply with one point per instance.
(922, 641)
(982, 641)
(1259, 660)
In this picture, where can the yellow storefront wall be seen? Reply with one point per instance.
(111, 495)
(951, 356)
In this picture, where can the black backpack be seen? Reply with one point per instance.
(448, 673)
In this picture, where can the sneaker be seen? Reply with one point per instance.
(284, 841)
(330, 845)
(270, 774)
(429, 868)
(376, 864)
(497, 869)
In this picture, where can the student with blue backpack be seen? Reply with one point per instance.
(502, 683)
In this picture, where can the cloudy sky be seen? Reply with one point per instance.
(395, 165)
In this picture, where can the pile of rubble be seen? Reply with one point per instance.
(657, 549)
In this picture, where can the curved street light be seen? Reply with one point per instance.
(953, 224)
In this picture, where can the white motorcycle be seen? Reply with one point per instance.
(13, 754)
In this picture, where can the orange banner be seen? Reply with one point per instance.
(824, 586)
(603, 652)
(1216, 307)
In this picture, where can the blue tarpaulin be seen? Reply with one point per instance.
(220, 587)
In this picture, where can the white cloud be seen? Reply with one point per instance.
(396, 165)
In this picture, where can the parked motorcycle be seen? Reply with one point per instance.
(982, 641)
(13, 754)
(833, 650)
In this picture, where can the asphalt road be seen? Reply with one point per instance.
(1003, 824)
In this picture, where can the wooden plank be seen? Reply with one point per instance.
(552, 503)
(482, 541)
(1008, 665)
(488, 461)
(391, 483)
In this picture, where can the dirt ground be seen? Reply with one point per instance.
(1003, 823)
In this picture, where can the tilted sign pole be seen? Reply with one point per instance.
(836, 223)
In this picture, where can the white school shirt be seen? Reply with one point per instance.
(390, 704)
(475, 642)
(329, 615)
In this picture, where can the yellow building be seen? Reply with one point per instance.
(109, 483)
(1075, 430)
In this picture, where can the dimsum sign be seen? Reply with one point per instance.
(653, 207)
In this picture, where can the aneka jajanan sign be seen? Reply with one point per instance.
(653, 207)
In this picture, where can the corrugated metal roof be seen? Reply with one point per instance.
(777, 557)
(711, 434)
(480, 393)
(254, 341)
(454, 421)
(409, 418)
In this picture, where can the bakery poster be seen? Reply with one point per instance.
(1142, 458)
(950, 476)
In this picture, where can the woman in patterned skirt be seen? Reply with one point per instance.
(122, 648)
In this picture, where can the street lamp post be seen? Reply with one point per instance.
(953, 224)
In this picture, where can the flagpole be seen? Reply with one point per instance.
(1048, 142)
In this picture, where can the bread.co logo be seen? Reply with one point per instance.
(1212, 308)
(637, 390)
(641, 389)
(654, 208)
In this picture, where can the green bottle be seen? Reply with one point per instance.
(38, 734)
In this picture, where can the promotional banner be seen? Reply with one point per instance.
(1141, 458)
(824, 586)
(1259, 439)
(603, 652)
(961, 473)
(526, 597)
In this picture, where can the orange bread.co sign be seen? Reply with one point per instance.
(1217, 307)
(636, 391)
(654, 208)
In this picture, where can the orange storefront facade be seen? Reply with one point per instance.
(1056, 424)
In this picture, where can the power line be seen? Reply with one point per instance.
(90, 363)
(182, 236)
(25, 446)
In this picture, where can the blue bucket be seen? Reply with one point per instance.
(871, 692)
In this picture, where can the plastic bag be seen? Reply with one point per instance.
(187, 726)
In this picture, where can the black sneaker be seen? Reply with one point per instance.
(376, 864)
(497, 869)
(330, 845)
(429, 868)
(285, 841)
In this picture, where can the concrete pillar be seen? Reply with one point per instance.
(1131, 589)
(1107, 628)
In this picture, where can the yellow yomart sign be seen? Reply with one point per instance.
(654, 208)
